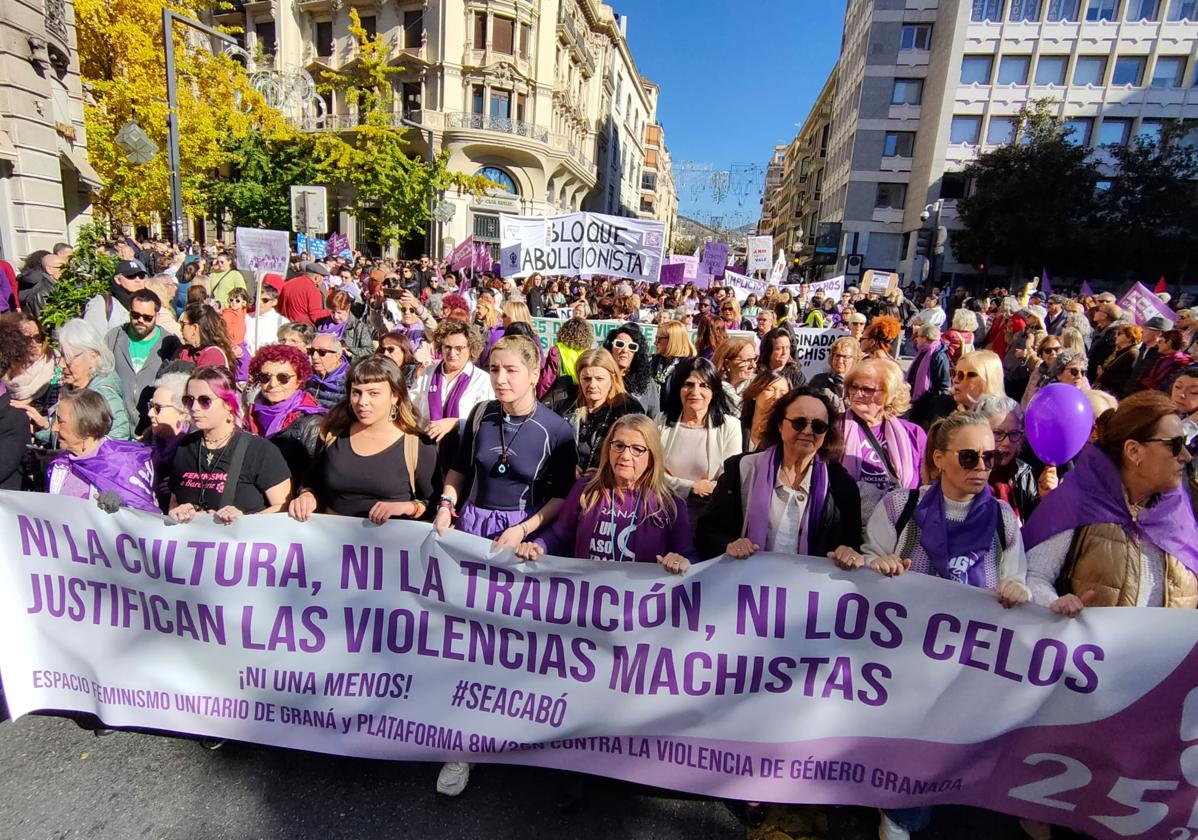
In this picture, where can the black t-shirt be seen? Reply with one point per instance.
(349, 484)
(194, 482)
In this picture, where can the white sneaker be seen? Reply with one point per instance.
(888, 829)
(453, 778)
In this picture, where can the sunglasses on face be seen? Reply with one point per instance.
(1176, 444)
(205, 402)
(283, 378)
(1075, 372)
(1003, 437)
(962, 375)
(619, 448)
(141, 316)
(316, 351)
(970, 458)
(1048, 351)
(800, 424)
(158, 408)
(862, 391)
(621, 344)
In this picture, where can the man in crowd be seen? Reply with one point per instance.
(302, 298)
(1055, 309)
(856, 325)
(329, 366)
(40, 284)
(929, 376)
(930, 314)
(141, 350)
(111, 310)
(1152, 330)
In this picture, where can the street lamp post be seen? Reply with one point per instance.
(932, 211)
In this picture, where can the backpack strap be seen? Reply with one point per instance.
(906, 513)
(241, 443)
(411, 454)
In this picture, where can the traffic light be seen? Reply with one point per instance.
(923, 242)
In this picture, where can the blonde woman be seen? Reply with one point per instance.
(601, 401)
(978, 373)
(600, 517)
(516, 312)
(736, 361)
(673, 344)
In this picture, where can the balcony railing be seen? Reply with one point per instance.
(345, 122)
(484, 122)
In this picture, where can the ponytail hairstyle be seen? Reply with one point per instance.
(941, 433)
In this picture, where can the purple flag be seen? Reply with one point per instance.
(673, 274)
(1045, 283)
(1086, 290)
(1141, 303)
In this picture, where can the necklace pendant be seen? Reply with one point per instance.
(502, 469)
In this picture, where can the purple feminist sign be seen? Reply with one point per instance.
(673, 274)
(1143, 304)
(715, 258)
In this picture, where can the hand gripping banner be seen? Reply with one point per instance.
(776, 678)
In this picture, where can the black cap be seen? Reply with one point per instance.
(131, 268)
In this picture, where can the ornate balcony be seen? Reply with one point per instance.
(484, 122)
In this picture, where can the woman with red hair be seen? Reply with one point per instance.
(283, 412)
(355, 334)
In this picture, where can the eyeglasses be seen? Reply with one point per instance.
(1075, 372)
(962, 375)
(800, 424)
(1003, 437)
(317, 351)
(157, 408)
(848, 357)
(1048, 351)
(265, 378)
(454, 348)
(619, 448)
(142, 316)
(862, 391)
(1176, 444)
(621, 344)
(748, 360)
(969, 458)
(204, 402)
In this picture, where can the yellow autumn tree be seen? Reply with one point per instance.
(122, 66)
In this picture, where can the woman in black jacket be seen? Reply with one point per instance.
(790, 496)
(16, 351)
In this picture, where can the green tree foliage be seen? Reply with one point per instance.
(89, 273)
(254, 189)
(1031, 202)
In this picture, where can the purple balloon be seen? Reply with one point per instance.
(1058, 423)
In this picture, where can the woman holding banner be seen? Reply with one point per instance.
(600, 516)
(629, 348)
(513, 471)
(1118, 530)
(790, 496)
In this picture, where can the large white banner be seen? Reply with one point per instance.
(262, 251)
(743, 285)
(759, 251)
(776, 678)
(581, 244)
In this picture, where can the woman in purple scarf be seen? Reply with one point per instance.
(1118, 531)
(355, 335)
(283, 412)
(600, 517)
(92, 465)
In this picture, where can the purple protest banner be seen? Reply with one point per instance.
(1086, 290)
(715, 258)
(673, 274)
(463, 255)
(1045, 282)
(1142, 303)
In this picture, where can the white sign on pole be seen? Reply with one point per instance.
(778, 276)
(309, 209)
(581, 244)
(265, 251)
(760, 248)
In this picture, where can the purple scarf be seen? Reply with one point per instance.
(1092, 493)
(757, 507)
(415, 336)
(331, 327)
(899, 448)
(438, 409)
(921, 376)
(333, 380)
(270, 417)
(956, 550)
(122, 466)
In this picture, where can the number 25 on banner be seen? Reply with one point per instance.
(1131, 793)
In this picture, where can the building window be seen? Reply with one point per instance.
(1089, 70)
(1150, 130)
(965, 130)
(646, 204)
(907, 92)
(1101, 9)
(503, 35)
(649, 181)
(899, 144)
(501, 104)
(500, 177)
(486, 227)
(1129, 71)
(916, 36)
(1114, 132)
(1024, 10)
(952, 186)
(1078, 130)
(1067, 11)
(525, 32)
(264, 35)
(324, 38)
(477, 92)
(413, 29)
(1182, 10)
(1142, 9)
(891, 196)
(521, 106)
(976, 69)
(1170, 71)
(370, 25)
(1051, 70)
(987, 10)
(411, 97)
(1013, 69)
(480, 30)
(1001, 130)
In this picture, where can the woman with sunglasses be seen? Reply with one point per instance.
(882, 452)
(601, 402)
(205, 340)
(628, 489)
(730, 314)
(977, 374)
(1046, 351)
(1069, 367)
(628, 347)
(736, 361)
(217, 468)
(282, 411)
(397, 347)
(790, 496)
(1119, 531)
(1012, 480)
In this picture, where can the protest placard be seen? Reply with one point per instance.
(761, 248)
(715, 258)
(778, 275)
(831, 288)
(580, 244)
(879, 282)
(262, 251)
(389, 642)
(1142, 303)
(744, 285)
(673, 274)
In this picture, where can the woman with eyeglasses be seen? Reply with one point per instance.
(354, 334)
(977, 374)
(447, 391)
(1046, 351)
(205, 340)
(218, 469)
(628, 347)
(169, 423)
(1069, 367)
(954, 529)
(601, 402)
(843, 355)
(736, 361)
(397, 347)
(282, 411)
(1119, 531)
(1012, 480)
(600, 517)
(790, 496)
(698, 433)
(882, 452)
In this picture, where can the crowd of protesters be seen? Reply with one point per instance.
(401, 390)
